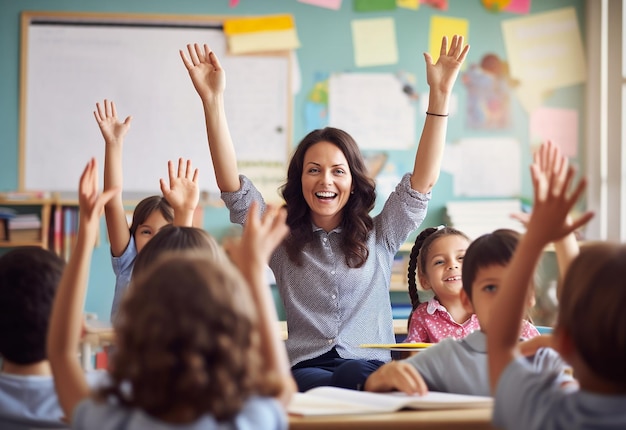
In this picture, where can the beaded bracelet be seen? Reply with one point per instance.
(436, 114)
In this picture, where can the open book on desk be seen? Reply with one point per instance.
(341, 401)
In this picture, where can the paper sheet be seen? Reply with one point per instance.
(373, 108)
(374, 42)
(558, 125)
(484, 167)
(545, 51)
(444, 26)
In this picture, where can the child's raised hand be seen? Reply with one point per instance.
(261, 235)
(112, 130)
(552, 180)
(442, 74)
(183, 192)
(207, 75)
(91, 202)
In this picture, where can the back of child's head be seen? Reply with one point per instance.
(187, 340)
(419, 255)
(173, 238)
(28, 281)
(146, 207)
(592, 309)
(491, 249)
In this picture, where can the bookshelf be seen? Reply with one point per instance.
(42, 207)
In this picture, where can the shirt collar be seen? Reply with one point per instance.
(434, 305)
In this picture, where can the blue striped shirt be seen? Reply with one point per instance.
(327, 303)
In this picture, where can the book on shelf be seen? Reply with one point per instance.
(340, 401)
(25, 222)
(477, 217)
(24, 195)
(25, 235)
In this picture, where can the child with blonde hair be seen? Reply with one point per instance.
(196, 339)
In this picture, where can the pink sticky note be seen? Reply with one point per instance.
(329, 4)
(558, 125)
(233, 3)
(518, 6)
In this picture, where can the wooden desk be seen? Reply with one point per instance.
(466, 419)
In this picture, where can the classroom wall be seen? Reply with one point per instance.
(326, 47)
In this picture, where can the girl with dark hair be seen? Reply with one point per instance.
(176, 205)
(436, 261)
(333, 270)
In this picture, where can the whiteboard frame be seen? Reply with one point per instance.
(30, 17)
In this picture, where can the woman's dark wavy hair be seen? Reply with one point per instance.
(356, 220)
(419, 254)
(148, 205)
(490, 249)
(187, 342)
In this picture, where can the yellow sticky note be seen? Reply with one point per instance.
(374, 42)
(266, 41)
(408, 4)
(258, 24)
(444, 26)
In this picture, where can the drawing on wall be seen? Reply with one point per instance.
(316, 105)
(488, 94)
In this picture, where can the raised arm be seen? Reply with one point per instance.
(441, 77)
(66, 321)
(209, 80)
(553, 201)
(550, 161)
(113, 133)
(182, 193)
(261, 235)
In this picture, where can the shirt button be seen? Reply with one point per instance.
(330, 341)
(333, 296)
(332, 272)
(324, 239)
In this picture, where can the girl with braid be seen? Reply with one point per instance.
(436, 260)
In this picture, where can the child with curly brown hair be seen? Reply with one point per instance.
(196, 339)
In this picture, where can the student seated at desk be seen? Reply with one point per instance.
(460, 366)
(28, 280)
(195, 339)
(590, 332)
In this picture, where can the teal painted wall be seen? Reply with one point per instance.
(326, 41)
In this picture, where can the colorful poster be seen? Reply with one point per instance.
(488, 94)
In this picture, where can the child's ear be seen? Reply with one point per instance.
(562, 342)
(466, 302)
(423, 280)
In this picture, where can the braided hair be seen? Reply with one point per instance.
(419, 253)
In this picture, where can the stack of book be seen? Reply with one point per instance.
(478, 217)
(24, 227)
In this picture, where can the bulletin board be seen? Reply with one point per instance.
(70, 61)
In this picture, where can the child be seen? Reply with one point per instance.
(460, 366)
(28, 281)
(436, 260)
(196, 344)
(333, 270)
(151, 214)
(590, 331)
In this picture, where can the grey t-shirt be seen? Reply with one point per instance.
(460, 365)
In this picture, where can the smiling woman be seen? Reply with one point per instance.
(333, 270)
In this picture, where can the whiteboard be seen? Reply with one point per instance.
(72, 64)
